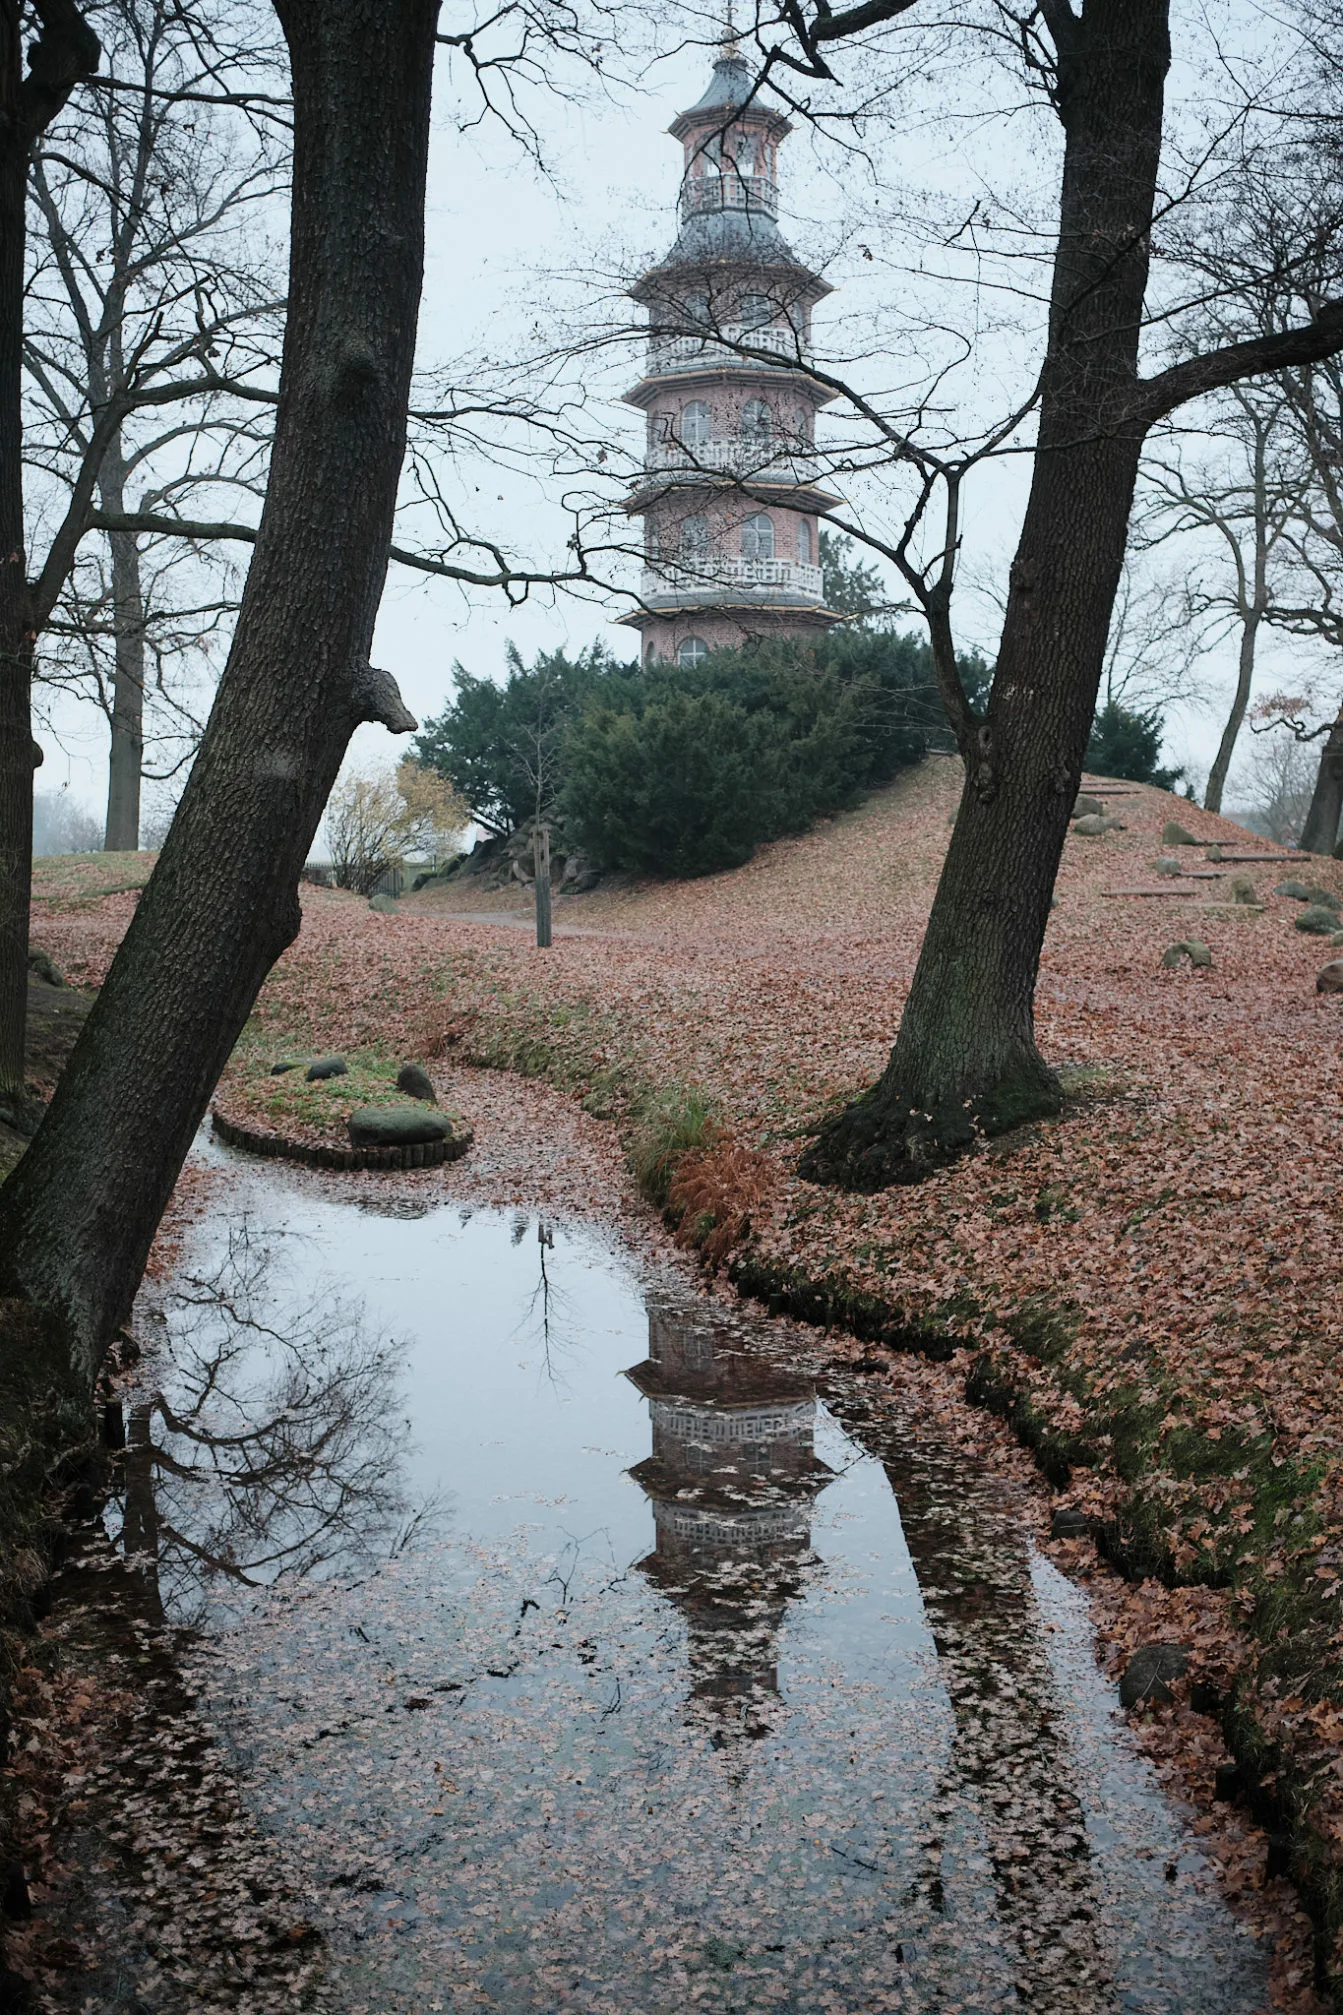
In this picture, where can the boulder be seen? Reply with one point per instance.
(1213, 854)
(1324, 898)
(1337, 938)
(1166, 867)
(46, 968)
(1297, 891)
(1088, 807)
(1317, 921)
(1192, 949)
(1068, 1523)
(279, 1069)
(413, 1079)
(1150, 1673)
(1093, 825)
(1329, 979)
(1243, 890)
(326, 1066)
(396, 1126)
(384, 906)
(1173, 834)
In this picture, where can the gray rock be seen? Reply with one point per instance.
(383, 906)
(587, 880)
(1088, 807)
(1165, 867)
(1317, 921)
(326, 1066)
(1192, 949)
(413, 1079)
(46, 968)
(1329, 979)
(1174, 835)
(1323, 898)
(1092, 826)
(1150, 1673)
(1298, 891)
(1069, 1524)
(1213, 853)
(1337, 938)
(396, 1126)
(279, 1069)
(1243, 890)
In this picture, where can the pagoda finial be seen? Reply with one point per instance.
(729, 48)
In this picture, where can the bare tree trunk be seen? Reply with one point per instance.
(966, 1060)
(126, 755)
(1319, 835)
(16, 739)
(1235, 720)
(79, 1213)
(1251, 611)
(65, 51)
(541, 865)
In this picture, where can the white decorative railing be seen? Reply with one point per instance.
(729, 192)
(682, 353)
(739, 457)
(671, 577)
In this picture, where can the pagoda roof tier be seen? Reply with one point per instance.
(743, 1381)
(732, 94)
(655, 486)
(742, 242)
(799, 615)
(725, 369)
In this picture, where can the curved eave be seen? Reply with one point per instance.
(713, 119)
(812, 289)
(813, 614)
(800, 496)
(646, 391)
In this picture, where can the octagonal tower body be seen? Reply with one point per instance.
(729, 492)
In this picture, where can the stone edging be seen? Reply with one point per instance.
(315, 1154)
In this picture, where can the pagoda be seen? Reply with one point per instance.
(729, 491)
(731, 1479)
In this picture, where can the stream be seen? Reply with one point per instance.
(589, 1644)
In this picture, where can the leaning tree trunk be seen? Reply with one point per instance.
(79, 1213)
(966, 1060)
(125, 761)
(1319, 835)
(1250, 620)
(66, 50)
(16, 741)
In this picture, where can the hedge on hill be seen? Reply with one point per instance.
(680, 770)
(1127, 743)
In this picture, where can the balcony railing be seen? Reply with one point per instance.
(711, 575)
(740, 457)
(686, 352)
(729, 192)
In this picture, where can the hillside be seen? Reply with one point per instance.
(1146, 1286)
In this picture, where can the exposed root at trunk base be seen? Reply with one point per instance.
(887, 1136)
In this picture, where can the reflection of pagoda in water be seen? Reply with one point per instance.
(732, 1478)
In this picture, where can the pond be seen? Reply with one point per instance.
(589, 1643)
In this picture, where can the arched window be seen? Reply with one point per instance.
(691, 650)
(803, 423)
(756, 310)
(695, 424)
(746, 154)
(757, 537)
(804, 541)
(756, 421)
(694, 538)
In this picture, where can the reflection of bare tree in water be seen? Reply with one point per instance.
(732, 1478)
(271, 1447)
(551, 1318)
(1011, 1762)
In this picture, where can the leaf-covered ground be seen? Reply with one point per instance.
(1148, 1286)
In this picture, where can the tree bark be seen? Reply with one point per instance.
(1319, 835)
(125, 761)
(966, 1061)
(66, 50)
(79, 1213)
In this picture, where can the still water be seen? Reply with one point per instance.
(589, 1645)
